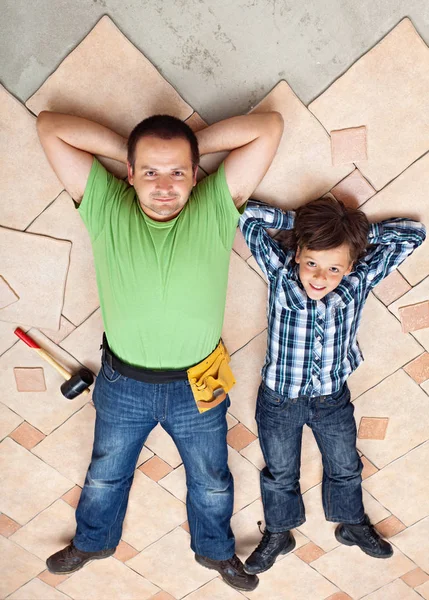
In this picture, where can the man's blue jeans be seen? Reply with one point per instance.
(127, 410)
(280, 423)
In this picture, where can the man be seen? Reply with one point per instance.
(161, 250)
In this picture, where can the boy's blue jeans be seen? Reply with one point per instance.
(280, 423)
(127, 410)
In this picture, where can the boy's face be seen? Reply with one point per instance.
(321, 271)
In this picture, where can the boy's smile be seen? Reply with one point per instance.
(321, 271)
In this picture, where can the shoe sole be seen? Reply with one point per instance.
(286, 550)
(368, 552)
(236, 587)
(86, 562)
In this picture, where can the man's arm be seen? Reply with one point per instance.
(70, 143)
(253, 141)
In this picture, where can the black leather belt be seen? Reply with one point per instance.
(139, 373)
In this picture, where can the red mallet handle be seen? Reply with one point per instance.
(26, 338)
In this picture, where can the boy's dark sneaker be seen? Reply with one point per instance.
(268, 549)
(366, 537)
(70, 559)
(232, 572)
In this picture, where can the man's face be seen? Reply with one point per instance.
(163, 176)
(321, 271)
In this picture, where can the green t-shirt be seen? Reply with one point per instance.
(162, 286)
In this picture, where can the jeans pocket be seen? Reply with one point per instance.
(342, 396)
(270, 398)
(108, 373)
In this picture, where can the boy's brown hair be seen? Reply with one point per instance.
(327, 223)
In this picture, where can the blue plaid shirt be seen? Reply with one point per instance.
(312, 345)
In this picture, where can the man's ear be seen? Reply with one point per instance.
(194, 177)
(130, 174)
(297, 255)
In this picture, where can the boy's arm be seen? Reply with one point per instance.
(254, 222)
(391, 242)
(70, 143)
(253, 141)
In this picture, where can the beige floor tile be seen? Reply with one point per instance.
(419, 293)
(348, 145)
(72, 497)
(254, 265)
(215, 590)
(423, 590)
(177, 577)
(247, 535)
(397, 131)
(294, 577)
(161, 443)
(418, 369)
(37, 590)
(309, 552)
(402, 486)
(391, 288)
(230, 420)
(7, 295)
(22, 160)
(84, 342)
(246, 366)
(29, 379)
(301, 170)
(7, 336)
(44, 411)
(397, 590)
(106, 64)
(175, 483)
(246, 480)
(245, 310)
(65, 328)
(368, 468)
(68, 449)
(124, 551)
(390, 527)
(390, 203)
(42, 486)
(145, 455)
(8, 526)
(320, 531)
(62, 220)
(415, 316)
(8, 421)
(383, 353)
(155, 468)
(152, 512)
(253, 453)
(425, 386)
(19, 566)
(239, 437)
(108, 578)
(40, 290)
(52, 579)
(367, 574)
(408, 423)
(311, 461)
(27, 435)
(240, 245)
(50, 531)
(415, 577)
(354, 190)
(414, 543)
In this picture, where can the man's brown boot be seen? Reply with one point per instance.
(70, 559)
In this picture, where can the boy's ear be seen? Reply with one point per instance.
(297, 255)
(349, 270)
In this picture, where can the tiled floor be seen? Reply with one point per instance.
(47, 439)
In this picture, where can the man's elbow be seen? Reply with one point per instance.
(276, 122)
(45, 121)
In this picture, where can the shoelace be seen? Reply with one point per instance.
(234, 562)
(267, 539)
(371, 534)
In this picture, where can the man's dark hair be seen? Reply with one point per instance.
(165, 127)
(327, 223)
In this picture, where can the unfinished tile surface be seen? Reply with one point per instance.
(371, 93)
(68, 449)
(373, 428)
(19, 566)
(402, 486)
(29, 379)
(107, 579)
(8, 421)
(84, 342)
(397, 590)
(57, 336)
(402, 402)
(27, 181)
(353, 190)
(39, 280)
(178, 577)
(105, 64)
(245, 311)
(27, 436)
(414, 542)
(384, 353)
(302, 169)
(418, 368)
(415, 316)
(152, 512)
(419, 293)
(215, 590)
(348, 145)
(53, 409)
(37, 590)
(42, 486)
(406, 197)
(7, 295)
(391, 288)
(61, 220)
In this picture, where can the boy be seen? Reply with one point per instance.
(318, 285)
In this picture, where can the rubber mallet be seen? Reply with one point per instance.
(74, 384)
